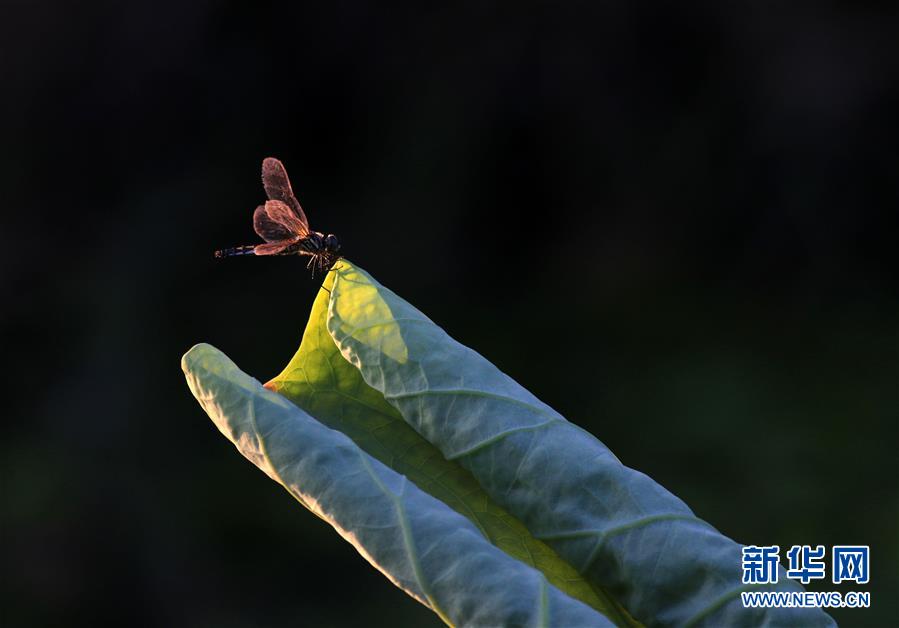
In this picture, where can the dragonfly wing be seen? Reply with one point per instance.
(272, 248)
(278, 213)
(277, 187)
(268, 229)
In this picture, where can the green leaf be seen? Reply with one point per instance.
(424, 547)
(619, 528)
(319, 380)
(372, 367)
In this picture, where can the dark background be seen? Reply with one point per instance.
(675, 223)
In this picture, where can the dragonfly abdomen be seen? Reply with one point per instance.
(237, 250)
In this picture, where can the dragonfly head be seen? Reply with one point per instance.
(331, 243)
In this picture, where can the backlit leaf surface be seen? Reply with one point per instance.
(400, 431)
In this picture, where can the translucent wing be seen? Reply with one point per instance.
(276, 219)
(272, 248)
(268, 229)
(277, 187)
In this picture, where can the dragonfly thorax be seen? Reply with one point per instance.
(316, 241)
(323, 249)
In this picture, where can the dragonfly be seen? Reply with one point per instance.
(282, 223)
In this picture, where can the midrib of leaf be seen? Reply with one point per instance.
(333, 391)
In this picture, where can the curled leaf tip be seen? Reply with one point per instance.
(197, 354)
